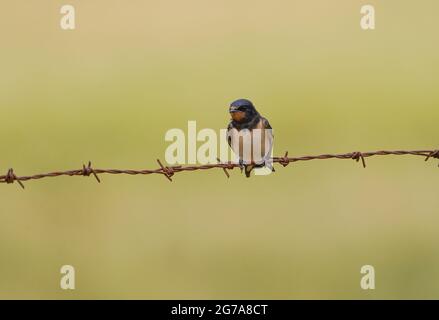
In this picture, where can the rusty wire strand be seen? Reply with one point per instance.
(169, 171)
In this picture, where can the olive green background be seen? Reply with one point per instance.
(109, 90)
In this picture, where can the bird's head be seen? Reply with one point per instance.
(242, 110)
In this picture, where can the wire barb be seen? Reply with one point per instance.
(357, 156)
(433, 154)
(10, 177)
(284, 161)
(228, 166)
(88, 170)
(167, 171)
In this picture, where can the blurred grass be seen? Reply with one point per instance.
(110, 90)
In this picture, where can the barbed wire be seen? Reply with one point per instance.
(169, 171)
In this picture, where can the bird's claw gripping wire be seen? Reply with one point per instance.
(241, 164)
(357, 156)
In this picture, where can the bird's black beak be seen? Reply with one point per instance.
(233, 109)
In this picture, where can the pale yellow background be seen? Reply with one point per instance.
(109, 90)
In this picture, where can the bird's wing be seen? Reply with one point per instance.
(266, 124)
(269, 137)
(229, 137)
(235, 145)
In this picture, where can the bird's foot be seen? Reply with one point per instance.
(241, 164)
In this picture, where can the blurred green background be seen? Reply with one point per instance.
(109, 90)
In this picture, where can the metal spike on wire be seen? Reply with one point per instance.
(169, 171)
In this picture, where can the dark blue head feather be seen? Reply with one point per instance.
(242, 103)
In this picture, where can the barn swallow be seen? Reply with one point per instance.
(242, 136)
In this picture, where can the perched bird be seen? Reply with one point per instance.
(253, 147)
